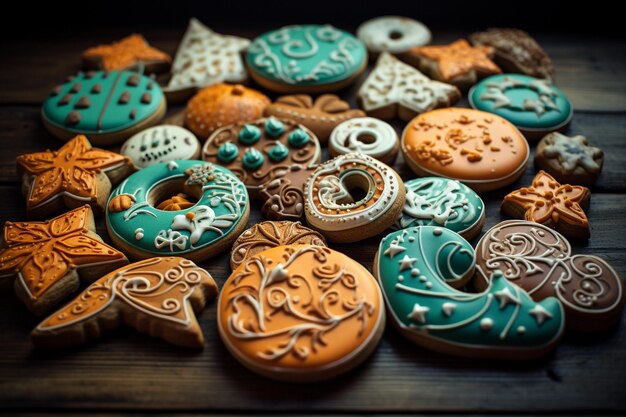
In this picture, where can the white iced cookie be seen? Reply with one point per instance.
(161, 143)
(394, 34)
(367, 135)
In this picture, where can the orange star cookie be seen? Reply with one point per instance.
(74, 175)
(458, 63)
(561, 207)
(127, 53)
(45, 259)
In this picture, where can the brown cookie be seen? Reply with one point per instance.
(283, 198)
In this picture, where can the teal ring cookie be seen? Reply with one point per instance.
(533, 105)
(307, 58)
(216, 218)
(418, 268)
(105, 106)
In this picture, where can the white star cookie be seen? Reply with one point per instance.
(395, 88)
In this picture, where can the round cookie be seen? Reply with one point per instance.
(435, 201)
(266, 235)
(366, 135)
(260, 151)
(540, 260)
(534, 105)
(569, 160)
(300, 313)
(419, 268)
(306, 59)
(480, 149)
(197, 232)
(221, 105)
(353, 197)
(161, 143)
(393, 34)
(106, 106)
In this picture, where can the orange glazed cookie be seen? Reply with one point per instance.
(158, 296)
(131, 52)
(300, 313)
(221, 105)
(46, 260)
(561, 207)
(479, 149)
(74, 175)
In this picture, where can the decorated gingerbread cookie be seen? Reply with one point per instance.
(393, 34)
(569, 160)
(222, 105)
(263, 150)
(266, 235)
(129, 53)
(157, 296)
(418, 268)
(434, 201)
(353, 197)
(321, 115)
(561, 207)
(457, 63)
(144, 221)
(204, 58)
(106, 106)
(306, 59)
(366, 135)
(535, 106)
(72, 176)
(540, 260)
(283, 197)
(480, 149)
(516, 51)
(46, 261)
(300, 313)
(161, 143)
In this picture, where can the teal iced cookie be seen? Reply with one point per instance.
(308, 58)
(105, 106)
(417, 268)
(534, 105)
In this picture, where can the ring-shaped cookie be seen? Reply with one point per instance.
(366, 135)
(393, 34)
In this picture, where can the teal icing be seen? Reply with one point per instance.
(525, 101)
(227, 152)
(413, 267)
(274, 127)
(435, 201)
(298, 138)
(249, 134)
(306, 55)
(216, 214)
(278, 153)
(252, 159)
(104, 113)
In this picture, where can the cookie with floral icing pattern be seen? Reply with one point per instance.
(480, 149)
(157, 296)
(300, 313)
(419, 268)
(131, 52)
(46, 261)
(540, 260)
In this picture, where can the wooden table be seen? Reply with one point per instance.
(130, 372)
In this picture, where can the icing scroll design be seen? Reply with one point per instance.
(496, 92)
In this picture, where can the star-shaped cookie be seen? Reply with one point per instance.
(130, 52)
(46, 259)
(394, 88)
(561, 207)
(74, 175)
(458, 63)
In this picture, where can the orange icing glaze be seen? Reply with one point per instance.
(41, 253)
(72, 169)
(465, 144)
(221, 105)
(299, 307)
(459, 58)
(125, 53)
(547, 200)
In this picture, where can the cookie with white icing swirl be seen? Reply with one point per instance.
(367, 135)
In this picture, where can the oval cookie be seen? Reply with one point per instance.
(366, 135)
(161, 143)
(393, 34)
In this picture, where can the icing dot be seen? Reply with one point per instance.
(227, 152)
(423, 279)
(400, 278)
(437, 231)
(521, 330)
(486, 324)
(278, 152)
(274, 127)
(252, 159)
(429, 285)
(415, 272)
(139, 233)
(298, 138)
(249, 134)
